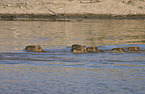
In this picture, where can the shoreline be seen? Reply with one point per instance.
(66, 17)
(71, 9)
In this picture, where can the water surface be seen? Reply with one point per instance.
(58, 71)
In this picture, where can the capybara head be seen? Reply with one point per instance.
(78, 46)
(133, 48)
(93, 49)
(34, 48)
(78, 49)
(117, 50)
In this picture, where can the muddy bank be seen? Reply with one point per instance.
(66, 17)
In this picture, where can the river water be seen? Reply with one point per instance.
(58, 71)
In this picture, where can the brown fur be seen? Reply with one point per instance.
(93, 49)
(117, 50)
(78, 49)
(133, 48)
(34, 48)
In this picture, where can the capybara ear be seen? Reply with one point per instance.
(34, 48)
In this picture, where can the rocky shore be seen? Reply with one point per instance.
(69, 9)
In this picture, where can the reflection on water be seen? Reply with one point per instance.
(58, 71)
(17, 34)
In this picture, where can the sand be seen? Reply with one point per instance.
(73, 7)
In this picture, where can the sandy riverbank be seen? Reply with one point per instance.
(72, 8)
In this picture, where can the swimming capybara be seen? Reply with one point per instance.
(93, 49)
(133, 48)
(78, 49)
(118, 50)
(34, 48)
